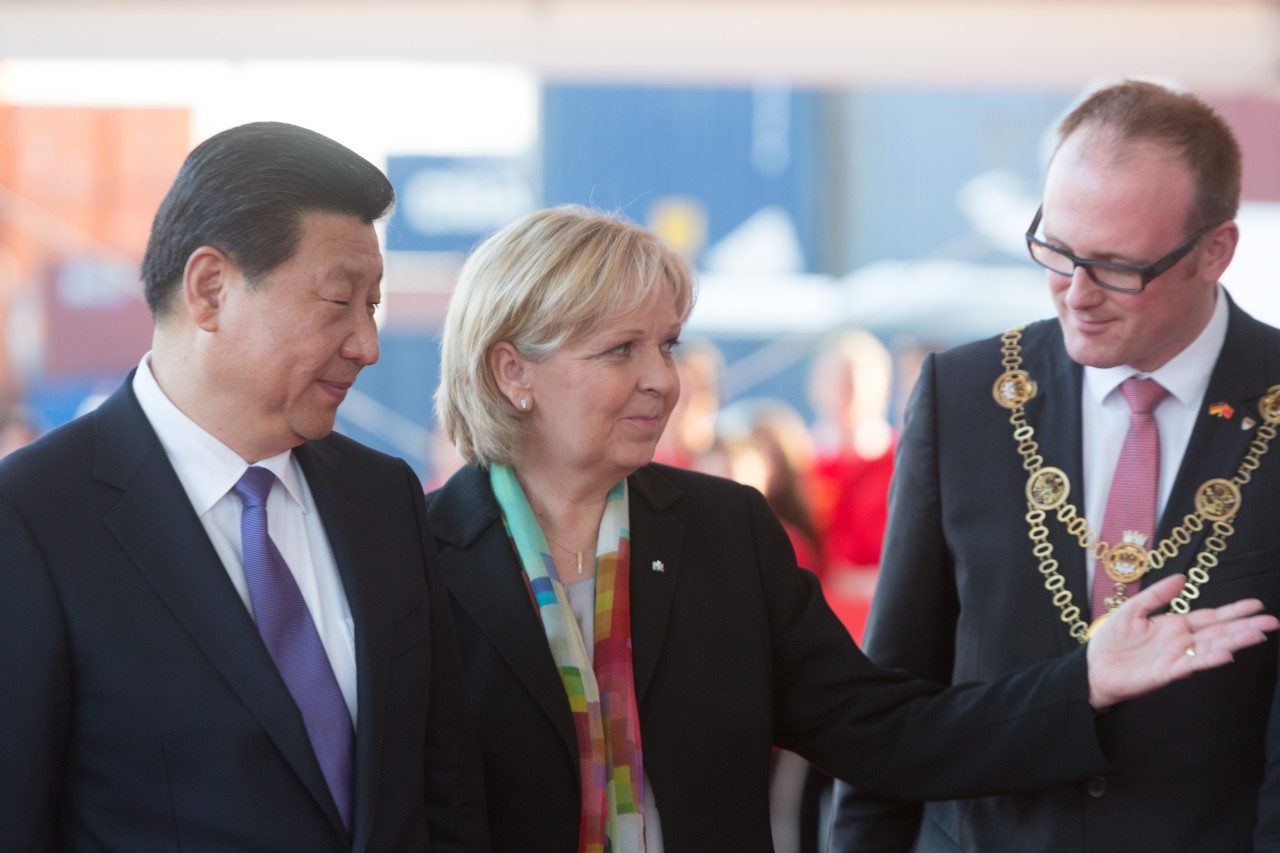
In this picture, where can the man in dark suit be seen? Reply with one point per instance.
(179, 670)
(1006, 440)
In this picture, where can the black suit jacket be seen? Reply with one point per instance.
(960, 598)
(734, 650)
(141, 710)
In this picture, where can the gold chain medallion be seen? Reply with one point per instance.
(1217, 502)
(1013, 389)
(1127, 562)
(1269, 405)
(1048, 488)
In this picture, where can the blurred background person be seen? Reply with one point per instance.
(849, 388)
(766, 445)
(908, 358)
(17, 428)
(691, 432)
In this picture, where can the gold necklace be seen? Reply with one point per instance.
(1047, 489)
(577, 554)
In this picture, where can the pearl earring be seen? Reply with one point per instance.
(524, 404)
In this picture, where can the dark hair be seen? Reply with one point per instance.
(1137, 111)
(244, 192)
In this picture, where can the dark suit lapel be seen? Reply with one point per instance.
(656, 539)
(485, 579)
(1055, 414)
(1218, 443)
(156, 526)
(348, 535)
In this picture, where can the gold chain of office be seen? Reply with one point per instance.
(1217, 502)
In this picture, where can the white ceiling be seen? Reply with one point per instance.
(1220, 45)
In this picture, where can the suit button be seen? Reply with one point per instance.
(1096, 786)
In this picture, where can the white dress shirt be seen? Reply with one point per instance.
(1105, 419)
(208, 469)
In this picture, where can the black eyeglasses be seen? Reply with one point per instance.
(1126, 278)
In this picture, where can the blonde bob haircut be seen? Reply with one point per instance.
(554, 276)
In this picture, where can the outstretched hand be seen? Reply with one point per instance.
(1133, 652)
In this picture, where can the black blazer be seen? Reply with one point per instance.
(141, 710)
(960, 598)
(734, 650)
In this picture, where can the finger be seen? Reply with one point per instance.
(1249, 626)
(1237, 635)
(1156, 596)
(1225, 613)
(1257, 625)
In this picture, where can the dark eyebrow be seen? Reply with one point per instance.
(1105, 258)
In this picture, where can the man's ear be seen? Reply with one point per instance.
(1217, 248)
(511, 372)
(205, 284)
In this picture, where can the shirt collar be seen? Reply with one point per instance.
(1185, 376)
(205, 466)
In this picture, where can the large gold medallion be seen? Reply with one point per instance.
(1127, 561)
(1014, 388)
(1048, 488)
(1218, 499)
(1269, 405)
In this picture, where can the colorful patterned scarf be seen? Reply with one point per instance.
(602, 699)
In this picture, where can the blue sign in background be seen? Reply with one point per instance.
(730, 152)
(447, 204)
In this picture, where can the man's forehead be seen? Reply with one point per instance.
(1104, 147)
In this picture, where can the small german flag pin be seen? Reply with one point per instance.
(1222, 410)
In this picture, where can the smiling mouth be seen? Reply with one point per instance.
(335, 389)
(1088, 324)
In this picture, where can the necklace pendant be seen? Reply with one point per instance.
(1013, 388)
(579, 562)
(1218, 499)
(1048, 488)
(1127, 561)
(1269, 405)
(1114, 601)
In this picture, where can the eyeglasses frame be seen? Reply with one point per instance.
(1146, 274)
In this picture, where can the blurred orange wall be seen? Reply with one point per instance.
(79, 184)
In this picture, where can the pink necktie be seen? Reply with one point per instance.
(1131, 505)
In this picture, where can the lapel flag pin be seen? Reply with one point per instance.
(1222, 410)
(658, 567)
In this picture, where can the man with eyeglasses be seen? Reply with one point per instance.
(1045, 475)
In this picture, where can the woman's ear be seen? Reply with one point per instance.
(511, 372)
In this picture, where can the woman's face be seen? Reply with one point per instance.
(601, 402)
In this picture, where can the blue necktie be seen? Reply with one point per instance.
(290, 634)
